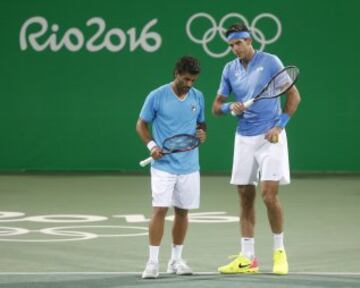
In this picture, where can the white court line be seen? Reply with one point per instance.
(196, 273)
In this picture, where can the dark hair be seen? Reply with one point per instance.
(187, 64)
(239, 27)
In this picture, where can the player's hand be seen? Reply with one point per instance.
(156, 153)
(201, 134)
(273, 134)
(237, 108)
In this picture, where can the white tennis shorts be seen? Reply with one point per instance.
(170, 190)
(255, 157)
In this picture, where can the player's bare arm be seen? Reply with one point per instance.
(236, 107)
(216, 107)
(142, 128)
(291, 104)
(292, 101)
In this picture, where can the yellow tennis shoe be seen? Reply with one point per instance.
(280, 264)
(240, 264)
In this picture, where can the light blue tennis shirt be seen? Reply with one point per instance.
(169, 116)
(246, 84)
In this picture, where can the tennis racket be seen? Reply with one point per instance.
(277, 86)
(175, 144)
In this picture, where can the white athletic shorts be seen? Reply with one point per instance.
(170, 190)
(255, 157)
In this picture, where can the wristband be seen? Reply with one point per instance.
(226, 107)
(151, 145)
(283, 120)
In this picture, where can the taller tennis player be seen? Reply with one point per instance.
(260, 149)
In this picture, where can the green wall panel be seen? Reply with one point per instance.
(70, 102)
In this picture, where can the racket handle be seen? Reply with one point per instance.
(246, 104)
(145, 162)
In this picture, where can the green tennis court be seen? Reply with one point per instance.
(91, 231)
(74, 201)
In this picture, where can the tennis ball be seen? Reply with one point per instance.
(274, 139)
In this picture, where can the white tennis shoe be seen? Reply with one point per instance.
(151, 270)
(179, 267)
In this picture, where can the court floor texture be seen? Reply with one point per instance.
(90, 230)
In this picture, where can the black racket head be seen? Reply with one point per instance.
(280, 83)
(180, 143)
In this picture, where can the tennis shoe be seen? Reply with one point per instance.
(179, 267)
(240, 264)
(280, 264)
(151, 270)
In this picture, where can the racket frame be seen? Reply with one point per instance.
(251, 101)
(165, 151)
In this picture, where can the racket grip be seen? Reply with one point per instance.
(145, 162)
(248, 103)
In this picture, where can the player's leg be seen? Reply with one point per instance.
(274, 171)
(156, 231)
(247, 195)
(244, 175)
(162, 186)
(186, 196)
(180, 226)
(269, 192)
(246, 261)
(276, 220)
(176, 263)
(156, 225)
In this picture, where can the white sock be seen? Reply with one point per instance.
(278, 241)
(248, 247)
(176, 251)
(154, 253)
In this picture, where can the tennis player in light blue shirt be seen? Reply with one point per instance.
(174, 108)
(246, 83)
(169, 116)
(260, 149)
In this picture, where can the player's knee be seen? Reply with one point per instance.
(246, 190)
(269, 197)
(160, 211)
(247, 195)
(180, 212)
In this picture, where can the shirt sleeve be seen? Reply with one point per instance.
(225, 86)
(148, 110)
(276, 65)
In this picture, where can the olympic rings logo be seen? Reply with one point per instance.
(83, 231)
(215, 29)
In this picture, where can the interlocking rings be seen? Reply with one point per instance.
(210, 34)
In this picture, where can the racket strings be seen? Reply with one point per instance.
(181, 143)
(281, 83)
